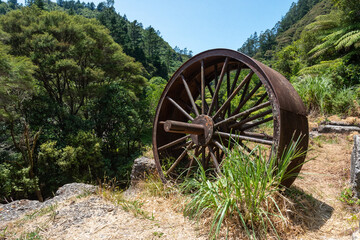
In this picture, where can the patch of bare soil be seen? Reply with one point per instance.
(317, 193)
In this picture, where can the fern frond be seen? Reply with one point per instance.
(321, 67)
(349, 39)
(325, 22)
(329, 41)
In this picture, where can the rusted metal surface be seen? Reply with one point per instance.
(220, 97)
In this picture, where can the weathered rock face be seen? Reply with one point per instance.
(355, 167)
(142, 168)
(17, 208)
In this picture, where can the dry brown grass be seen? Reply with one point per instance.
(312, 207)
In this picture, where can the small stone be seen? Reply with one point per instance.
(142, 168)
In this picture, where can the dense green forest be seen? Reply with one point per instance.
(79, 83)
(76, 83)
(316, 46)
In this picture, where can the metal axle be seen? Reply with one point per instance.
(182, 127)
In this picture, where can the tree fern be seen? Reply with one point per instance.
(329, 42)
(349, 39)
(334, 33)
(325, 22)
(321, 67)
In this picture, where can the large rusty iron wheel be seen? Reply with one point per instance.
(220, 97)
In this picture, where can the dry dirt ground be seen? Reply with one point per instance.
(324, 177)
(319, 214)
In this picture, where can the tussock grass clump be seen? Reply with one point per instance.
(245, 194)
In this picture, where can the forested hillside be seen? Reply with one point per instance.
(144, 44)
(316, 46)
(78, 88)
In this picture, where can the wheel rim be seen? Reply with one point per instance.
(216, 98)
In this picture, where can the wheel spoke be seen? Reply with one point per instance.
(245, 91)
(232, 143)
(257, 103)
(242, 137)
(203, 157)
(245, 147)
(258, 135)
(188, 107)
(218, 85)
(235, 125)
(246, 113)
(246, 80)
(182, 155)
(180, 108)
(256, 124)
(183, 145)
(173, 143)
(236, 78)
(190, 95)
(216, 163)
(210, 90)
(202, 87)
(218, 145)
(228, 88)
(242, 103)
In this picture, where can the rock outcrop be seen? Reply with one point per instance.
(18, 208)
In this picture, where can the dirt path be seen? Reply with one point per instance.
(324, 178)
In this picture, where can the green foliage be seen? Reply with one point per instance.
(65, 75)
(16, 82)
(351, 8)
(263, 46)
(73, 54)
(15, 180)
(155, 89)
(320, 39)
(145, 45)
(80, 161)
(244, 192)
(321, 94)
(347, 197)
(288, 61)
(293, 33)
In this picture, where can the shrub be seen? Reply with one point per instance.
(244, 193)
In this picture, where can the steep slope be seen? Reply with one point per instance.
(285, 31)
(293, 33)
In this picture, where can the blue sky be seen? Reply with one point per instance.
(200, 25)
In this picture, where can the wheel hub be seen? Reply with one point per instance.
(203, 139)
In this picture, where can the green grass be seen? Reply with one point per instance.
(320, 94)
(245, 193)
